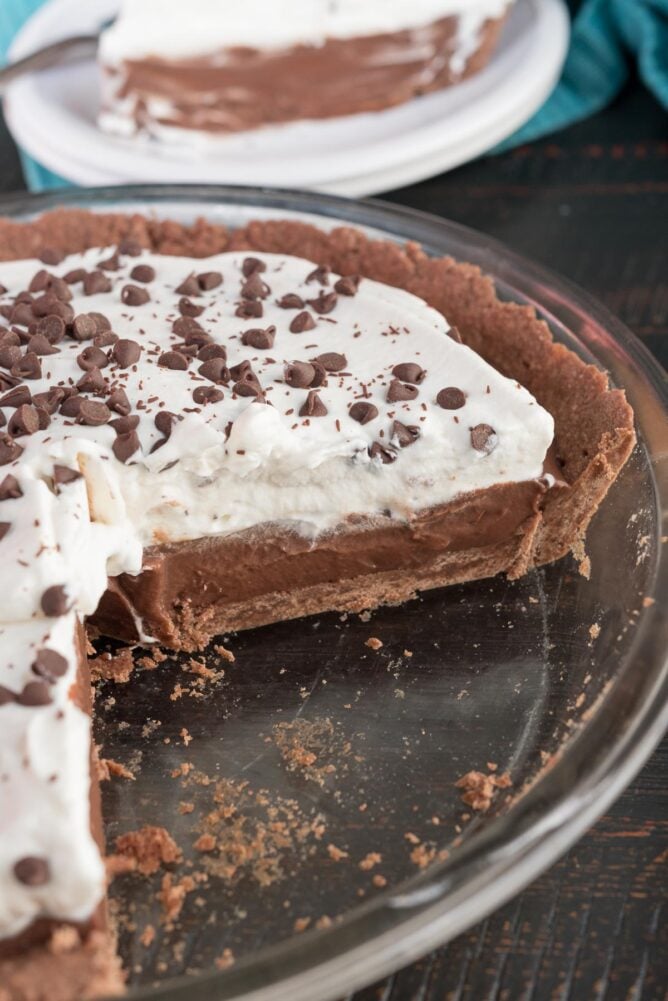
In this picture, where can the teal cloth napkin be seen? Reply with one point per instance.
(608, 36)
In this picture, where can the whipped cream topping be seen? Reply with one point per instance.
(167, 29)
(146, 399)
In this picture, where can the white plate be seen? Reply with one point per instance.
(53, 116)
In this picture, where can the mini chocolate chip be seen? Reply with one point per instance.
(207, 394)
(54, 601)
(49, 665)
(165, 421)
(119, 403)
(143, 273)
(299, 375)
(71, 405)
(254, 287)
(122, 425)
(302, 322)
(105, 339)
(50, 305)
(51, 256)
(313, 406)
(321, 275)
(40, 281)
(92, 357)
(93, 413)
(252, 266)
(35, 693)
(101, 322)
(455, 335)
(4, 528)
(51, 327)
(10, 450)
(95, 283)
(405, 434)
(43, 417)
(258, 338)
(6, 696)
(7, 381)
(10, 488)
(332, 362)
(209, 280)
(10, 355)
(50, 400)
(126, 352)
(215, 369)
(111, 263)
(363, 412)
(22, 314)
(186, 325)
(400, 391)
(385, 453)
(11, 338)
(208, 351)
(129, 247)
(409, 372)
(249, 387)
(125, 445)
(28, 367)
(348, 285)
(93, 382)
(16, 397)
(174, 360)
(324, 303)
(188, 308)
(40, 345)
(241, 370)
(291, 301)
(133, 295)
(24, 421)
(32, 871)
(451, 398)
(62, 475)
(484, 438)
(84, 327)
(320, 377)
(189, 286)
(249, 310)
(74, 276)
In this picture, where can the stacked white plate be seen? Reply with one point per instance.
(52, 115)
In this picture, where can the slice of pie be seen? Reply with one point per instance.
(301, 422)
(188, 73)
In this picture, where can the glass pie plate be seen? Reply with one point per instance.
(326, 769)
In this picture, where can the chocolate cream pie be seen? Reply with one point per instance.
(175, 71)
(303, 421)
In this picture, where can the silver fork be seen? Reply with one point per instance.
(66, 51)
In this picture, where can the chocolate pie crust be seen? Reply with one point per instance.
(269, 574)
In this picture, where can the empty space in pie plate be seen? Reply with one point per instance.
(351, 153)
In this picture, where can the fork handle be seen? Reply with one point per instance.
(68, 50)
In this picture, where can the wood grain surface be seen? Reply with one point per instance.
(591, 203)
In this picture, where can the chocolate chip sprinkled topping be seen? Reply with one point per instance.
(40, 345)
(75, 276)
(246, 383)
(252, 266)
(321, 275)
(112, 263)
(484, 438)
(207, 394)
(106, 339)
(313, 406)
(332, 362)
(215, 369)
(24, 421)
(249, 310)
(209, 280)
(4, 528)
(125, 445)
(49, 665)
(258, 338)
(84, 327)
(29, 367)
(400, 391)
(54, 601)
(254, 287)
(405, 434)
(291, 301)
(35, 693)
(51, 256)
(324, 303)
(188, 308)
(71, 405)
(385, 453)
(208, 351)
(451, 398)
(118, 402)
(165, 421)
(133, 295)
(189, 286)
(122, 425)
(10, 450)
(51, 327)
(174, 360)
(92, 357)
(95, 283)
(10, 488)
(62, 475)
(93, 413)
(455, 335)
(10, 355)
(299, 375)
(129, 247)
(363, 412)
(302, 322)
(126, 352)
(347, 285)
(32, 871)
(50, 400)
(93, 382)
(409, 372)
(16, 397)
(143, 273)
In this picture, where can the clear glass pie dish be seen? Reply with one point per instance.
(330, 767)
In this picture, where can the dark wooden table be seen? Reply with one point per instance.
(591, 203)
